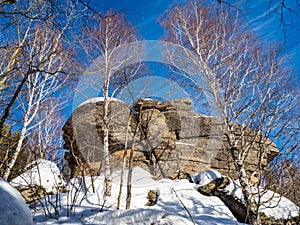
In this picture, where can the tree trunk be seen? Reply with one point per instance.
(107, 175)
(124, 163)
(128, 197)
(12, 102)
(252, 215)
(17, 151)
(138, 129)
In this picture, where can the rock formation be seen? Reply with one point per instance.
(171, 138)
(83, 135)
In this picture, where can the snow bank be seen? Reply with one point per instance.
(13, 210)
(279, 207)
(45, 173)
(168, 210)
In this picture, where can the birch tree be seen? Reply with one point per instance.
(104, 42)
(285, 13)
(46, 139)
(246, 84)
(17, 25)
(49, 63)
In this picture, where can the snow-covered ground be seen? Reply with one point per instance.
(13, 210)
(81, 206)
(43, 173)
(168, 210)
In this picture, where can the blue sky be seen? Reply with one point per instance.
(265, 23)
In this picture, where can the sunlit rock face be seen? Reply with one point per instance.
(167, 138)
(83, 134)
(13, 209)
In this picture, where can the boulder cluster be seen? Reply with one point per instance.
(168, 139)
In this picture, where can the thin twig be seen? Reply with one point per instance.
(186, 209)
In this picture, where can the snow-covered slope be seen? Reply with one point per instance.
(43, 173)
(13, 210)
(274, 205)
(279, 207)
(168, 210)
(172, 194)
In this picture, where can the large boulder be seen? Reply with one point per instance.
(83, 134)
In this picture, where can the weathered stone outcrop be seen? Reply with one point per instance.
(171, 138)
(83, 135)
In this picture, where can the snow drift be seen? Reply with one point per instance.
(168, 210)
(13, 210)
(43, 173)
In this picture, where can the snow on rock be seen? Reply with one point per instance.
(13, 210)
(147, 99)
(205, 177)
(98, 99)
(43, 173)
(234, 189)
(276, 206)
(184, 143)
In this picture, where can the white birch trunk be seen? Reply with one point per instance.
(15, 155)
(18, 148)
(107, 174)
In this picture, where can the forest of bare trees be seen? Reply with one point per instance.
(36, 65)
(46, 47)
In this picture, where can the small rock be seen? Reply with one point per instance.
(182, 175)
(152, 198)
